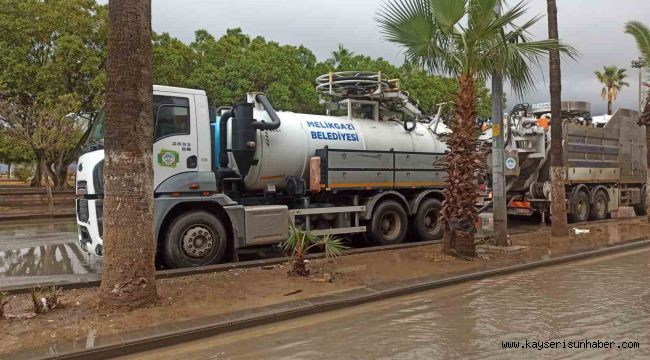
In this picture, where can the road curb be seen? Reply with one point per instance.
(218, 324)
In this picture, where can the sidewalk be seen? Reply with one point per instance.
(233, 298)
(21, 202)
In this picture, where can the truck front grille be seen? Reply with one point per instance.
(82, 210)
(99, 212)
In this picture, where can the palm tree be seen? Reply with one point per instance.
(339, 56)
(128, 274)
(558, 192)
(470, 41)
(612, 79)
(300, 242)
(641, 34)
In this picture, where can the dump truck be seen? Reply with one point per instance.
(605, 165)
(234, 177)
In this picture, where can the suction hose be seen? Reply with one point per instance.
(223, 138)
(275, 119)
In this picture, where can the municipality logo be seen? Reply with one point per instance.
(168, 158)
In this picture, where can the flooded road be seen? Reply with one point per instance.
(599, 300)
(42, 249)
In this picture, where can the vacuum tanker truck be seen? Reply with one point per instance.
(234, 177)
(605, 164)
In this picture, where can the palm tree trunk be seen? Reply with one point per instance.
(609, 107)
(463, 163)
(128, 274)
(558, 193)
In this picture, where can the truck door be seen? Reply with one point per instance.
(175, 139)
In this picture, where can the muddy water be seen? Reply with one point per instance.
(604, 299)
(43, 249)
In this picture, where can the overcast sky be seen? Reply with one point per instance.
(594, 27)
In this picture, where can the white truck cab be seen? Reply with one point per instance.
(182, 146)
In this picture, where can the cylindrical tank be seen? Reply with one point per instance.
(286, 151)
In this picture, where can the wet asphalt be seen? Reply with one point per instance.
(42, 250)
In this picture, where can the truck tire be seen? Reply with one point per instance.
(639, 209)
(195, 238)
(426, 222)
(389, 223)
(579, 206)
(599, 209)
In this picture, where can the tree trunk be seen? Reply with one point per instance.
(52, 173)
(463, 163)
(9, 171)
(36, 180)
(128, 273)
(609, 107)
(48, 186)
(558, 192)
(61, 171)
(62, 177)
(298, 266)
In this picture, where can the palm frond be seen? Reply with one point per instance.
(411, 25)
(448, 12)
(300, 242)
(433, 34)
(332, 246)
(641, 34)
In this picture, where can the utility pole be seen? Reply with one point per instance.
(499, 209)
(639, 64)
(498, 175)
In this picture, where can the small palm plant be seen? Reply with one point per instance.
(45, 299)
(300, 242)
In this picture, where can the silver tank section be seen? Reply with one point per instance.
(285, 152)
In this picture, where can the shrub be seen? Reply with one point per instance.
(44, 300)
(24, 172)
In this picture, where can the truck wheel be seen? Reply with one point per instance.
(426, 221)
(388, 224)
(579, 206)
(196, 238)
(599, 208)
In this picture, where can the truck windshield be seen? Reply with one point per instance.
(95, 140)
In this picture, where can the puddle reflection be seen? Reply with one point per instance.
(58, 259)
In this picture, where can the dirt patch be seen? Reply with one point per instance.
(210, 294)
